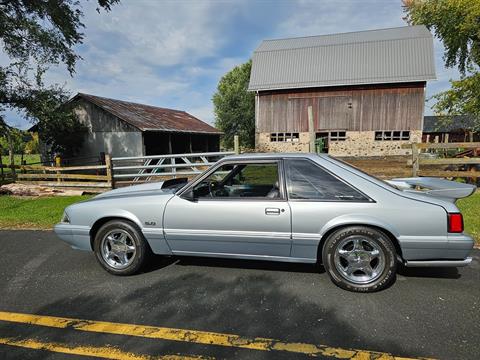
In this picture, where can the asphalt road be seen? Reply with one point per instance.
(426, 313)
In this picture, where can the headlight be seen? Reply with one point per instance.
(65, 218)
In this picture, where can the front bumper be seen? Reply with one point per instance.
(77, 236)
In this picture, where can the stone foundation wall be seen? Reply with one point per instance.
(263, 144)
(357, 143)
(362, 143)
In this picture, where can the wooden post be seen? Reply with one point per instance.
(108, 164)
(445, 140)
(470, 133)
(12, 164)
(311, 130)
(11, 154)
(415, 164)
(1, 165)
(58, 163)
(236, 144)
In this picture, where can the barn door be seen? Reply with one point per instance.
(334, 113)
(297, 115)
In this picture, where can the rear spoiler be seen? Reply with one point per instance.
(439, 188)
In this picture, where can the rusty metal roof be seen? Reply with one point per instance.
(150, 118)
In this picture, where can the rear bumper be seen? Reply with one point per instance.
(436, 248)
(438, 263)
(77, 236)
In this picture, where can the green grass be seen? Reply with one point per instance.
(39, 213)
(470, 208)
(30, 158)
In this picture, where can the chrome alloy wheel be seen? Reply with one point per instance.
(359, 259)
(118, 249)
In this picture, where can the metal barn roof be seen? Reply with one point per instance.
(150, 118)
(403, 54)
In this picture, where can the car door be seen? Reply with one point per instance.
(316, 197)
(238, 209)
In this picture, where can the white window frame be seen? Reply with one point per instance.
(285, 137)
(336, 135)
(392, 135)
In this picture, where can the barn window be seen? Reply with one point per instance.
(338, 135)
(284, 137)
(392, 135)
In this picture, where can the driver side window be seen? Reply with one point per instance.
(246, 180)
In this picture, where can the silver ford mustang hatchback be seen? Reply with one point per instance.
(302, 208)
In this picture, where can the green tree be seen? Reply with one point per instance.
(36, 35)
(15, 139)
(457, 24)
(32, 146)
(59, 129)
(234, 107)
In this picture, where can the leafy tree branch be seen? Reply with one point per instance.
(457, 24)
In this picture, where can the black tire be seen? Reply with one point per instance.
(343, 239)
(135, 239)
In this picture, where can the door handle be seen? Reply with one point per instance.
(272, 211)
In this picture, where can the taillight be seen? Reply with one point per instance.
(455, 223)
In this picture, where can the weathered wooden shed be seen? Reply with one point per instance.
(124, 128)
(366, 90)
(458, 128)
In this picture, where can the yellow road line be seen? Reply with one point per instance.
(105, 352)
(193, 336)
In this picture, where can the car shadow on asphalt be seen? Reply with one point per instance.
(158, 262)
(429, 272)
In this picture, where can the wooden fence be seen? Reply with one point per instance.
(116, 172)
(92, 177)
(470, 164)
(124, 171)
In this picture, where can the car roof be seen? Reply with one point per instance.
(261, 156)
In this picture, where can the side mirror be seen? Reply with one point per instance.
(188, 195)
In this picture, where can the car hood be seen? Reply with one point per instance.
(154, 188)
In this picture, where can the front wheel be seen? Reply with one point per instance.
(360, 259)
(120, 247)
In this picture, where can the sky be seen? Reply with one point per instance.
(173, 53)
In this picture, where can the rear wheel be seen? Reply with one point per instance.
(360, 259)
(120, 247)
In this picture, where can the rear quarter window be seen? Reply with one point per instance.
(308, 181)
